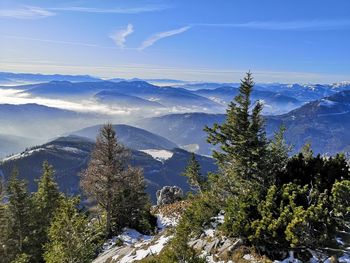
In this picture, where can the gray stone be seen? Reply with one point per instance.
(226, 245)
(200, 244)
(210, 246)
(169, 195)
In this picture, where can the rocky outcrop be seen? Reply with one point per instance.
(169, 195)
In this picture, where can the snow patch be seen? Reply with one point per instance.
(165, 222)
(326, 103)
(290, 259)
(131, 236)
(142, 253)
(22, 155)
(159, 155)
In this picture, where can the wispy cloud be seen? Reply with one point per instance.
(119, 37)
(35, 12)
(158, 36)
(60, 42)
(285, 25)
(118, 10)
(26, 12)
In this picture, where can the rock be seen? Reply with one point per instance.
(169, 195)
(200, 244)
(210, 246)
(225, 246)
(228, 246)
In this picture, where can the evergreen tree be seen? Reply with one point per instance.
(242, 140)
(46, 200)
(19, 215)
(131, 206)
(278, 154)
(4, 227)
(193, 174)
(71, 237)
(115, 186)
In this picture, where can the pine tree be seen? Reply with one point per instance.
(242, 140)
(46, 200)
(278, 154)
(193, 174)
(19, 214)
(116, 187)
(71, 237)
(4, 227)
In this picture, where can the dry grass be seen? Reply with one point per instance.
(172, 210)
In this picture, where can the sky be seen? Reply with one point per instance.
(197, 40)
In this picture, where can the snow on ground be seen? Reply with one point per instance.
(345, 258)
(159, 155)
(65, 148)
(131, 236)
(290, 259)
(148, 249)
(326, 103)
(23, 154)
(128, 237)
(136, 246)
(165, 222)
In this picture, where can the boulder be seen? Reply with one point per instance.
(169, 195)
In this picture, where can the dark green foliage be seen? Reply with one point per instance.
(194, 176)
(19, 209)
(71, 237)
(131, 206)
(317, 171)
(277, 156)
(307, 206)
(45, 202)
(242, 140)
(5, 246)
(272, 201)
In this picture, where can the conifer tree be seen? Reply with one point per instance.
(277, 153)
(113, 184)
(71, 237)
(193, 174)
(19, 215)
(242, 141)
(46, 200)
(4, 227)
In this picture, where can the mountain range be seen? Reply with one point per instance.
(169, 122)
(69, 156)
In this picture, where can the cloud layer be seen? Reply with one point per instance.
(158, 36)
(119, 37)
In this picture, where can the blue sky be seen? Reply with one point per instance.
(284, 41)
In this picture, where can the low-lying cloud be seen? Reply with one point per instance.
(16, 97)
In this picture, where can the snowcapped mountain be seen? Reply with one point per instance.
(275, 102)
(324, 123)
